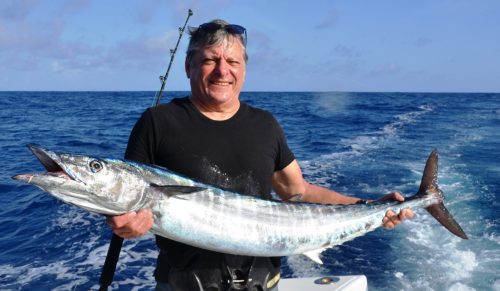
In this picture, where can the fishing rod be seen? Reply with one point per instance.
(163, 79)
(115, 246)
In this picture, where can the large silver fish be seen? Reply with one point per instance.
(208, 217)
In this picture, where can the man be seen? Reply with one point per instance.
(215, 138)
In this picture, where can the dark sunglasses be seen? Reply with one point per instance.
(212, 27)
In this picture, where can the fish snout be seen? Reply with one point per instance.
(23, 177)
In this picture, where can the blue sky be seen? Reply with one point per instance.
(398, 45)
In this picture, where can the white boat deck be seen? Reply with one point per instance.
(330, 283)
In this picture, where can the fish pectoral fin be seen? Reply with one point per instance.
(314, 255)
(173, 190)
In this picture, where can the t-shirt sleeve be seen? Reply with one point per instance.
(140, 147)
(285, 156)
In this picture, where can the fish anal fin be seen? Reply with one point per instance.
(314, 255)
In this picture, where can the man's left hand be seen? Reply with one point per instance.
(392, 219)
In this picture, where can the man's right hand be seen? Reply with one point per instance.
(132, 224)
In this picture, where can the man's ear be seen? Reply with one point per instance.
(186, 68)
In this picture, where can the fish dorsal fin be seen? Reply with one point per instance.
(314, 255)
(173, 190)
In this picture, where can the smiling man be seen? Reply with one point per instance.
(217, 73)
(213, 137)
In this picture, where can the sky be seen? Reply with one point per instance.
(351, 46)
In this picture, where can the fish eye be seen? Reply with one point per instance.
(95, 166)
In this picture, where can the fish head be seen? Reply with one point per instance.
(104, 186)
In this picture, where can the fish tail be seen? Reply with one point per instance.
(429, 186)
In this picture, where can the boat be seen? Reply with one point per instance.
(329, 283)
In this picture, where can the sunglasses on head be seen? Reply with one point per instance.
(211, 27)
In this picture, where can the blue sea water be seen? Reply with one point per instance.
(365, 144)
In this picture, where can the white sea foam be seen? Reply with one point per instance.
(404, 119)
(460, 287)
(438, 260)
(496, 285)
(438, 251)
(326, 104)
(83, 254)
(362, 144)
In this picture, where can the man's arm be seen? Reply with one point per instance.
(290, 184)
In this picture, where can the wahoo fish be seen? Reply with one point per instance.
(208, 217)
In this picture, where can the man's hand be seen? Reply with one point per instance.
(132, 224)
(392, 219)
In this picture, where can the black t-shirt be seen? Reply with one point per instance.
(238, 154)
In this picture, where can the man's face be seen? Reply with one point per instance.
(217, 73)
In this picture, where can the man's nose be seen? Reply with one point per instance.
(222, 68)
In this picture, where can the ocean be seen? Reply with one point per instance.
(364, 144)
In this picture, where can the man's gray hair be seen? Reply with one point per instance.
(200, 40)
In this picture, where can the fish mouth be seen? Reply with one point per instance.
(51, 162)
